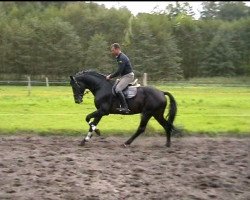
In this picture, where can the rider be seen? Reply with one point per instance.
(125, 72)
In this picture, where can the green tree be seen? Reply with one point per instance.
(188, 40)
(169, 65)
(60, 47)
(232, 10)
(112, 24)
(5, 47)
(220, 55)
(240, 30)
(50, 47)
(210, 10)
(98, 55)
(169, 60)
(173, 11)
(59, 38)
(206, 31)
(143, 50)
(82, 17)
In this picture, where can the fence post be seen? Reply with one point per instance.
(145, 79)
(29, 85)
(47, 82)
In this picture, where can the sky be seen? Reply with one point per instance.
(147, 6)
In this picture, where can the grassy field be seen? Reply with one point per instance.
(51, 110)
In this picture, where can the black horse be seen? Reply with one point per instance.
(148, 101)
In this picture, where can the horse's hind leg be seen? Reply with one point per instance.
(144, 120)
(163, 122)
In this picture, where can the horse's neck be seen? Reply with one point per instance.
(96, 84)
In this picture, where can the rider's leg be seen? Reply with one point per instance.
(124, 81)
(123, 102)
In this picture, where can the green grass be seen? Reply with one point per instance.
(242, 80)
(201, 109)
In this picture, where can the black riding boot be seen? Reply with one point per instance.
(123, 102)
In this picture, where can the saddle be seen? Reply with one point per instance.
(130, 91)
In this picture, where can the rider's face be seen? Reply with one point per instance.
(114, 51)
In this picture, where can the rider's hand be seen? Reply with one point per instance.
(108, 77)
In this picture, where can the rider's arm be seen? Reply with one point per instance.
(121, 66)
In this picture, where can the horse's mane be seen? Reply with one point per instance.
(94, 73)
(91, 72)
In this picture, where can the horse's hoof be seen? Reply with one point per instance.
(168, 145)
(124, 145)
(82, 143)
(98, 132)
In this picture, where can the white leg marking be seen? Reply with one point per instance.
(92, 126)
(88, 136)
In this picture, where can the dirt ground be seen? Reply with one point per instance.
(33, 167)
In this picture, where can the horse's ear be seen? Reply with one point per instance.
(71, 77)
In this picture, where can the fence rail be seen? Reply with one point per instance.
(143, 81)
(46, 82)
(35, 83)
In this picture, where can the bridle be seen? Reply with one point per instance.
(75, 81)
(79, 87)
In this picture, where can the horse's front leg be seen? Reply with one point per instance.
(97, 115)
(93, 125)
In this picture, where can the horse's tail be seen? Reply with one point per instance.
(172, 111)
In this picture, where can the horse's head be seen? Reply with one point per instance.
(90, 80)
(78, 89)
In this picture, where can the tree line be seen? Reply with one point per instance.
(61, 38)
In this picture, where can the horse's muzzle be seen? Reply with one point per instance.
(78, 101)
